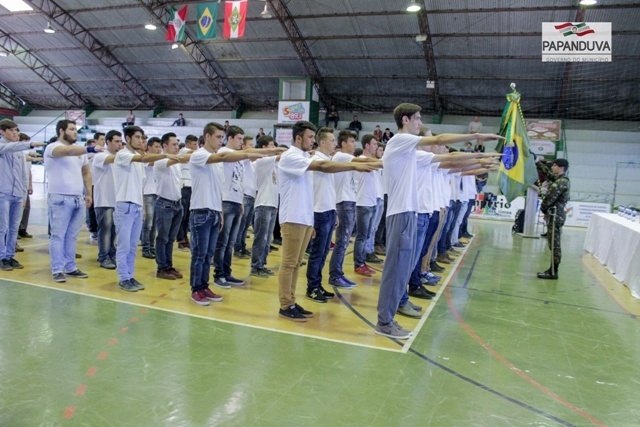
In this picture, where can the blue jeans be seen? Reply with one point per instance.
(263, 222)
(185, 198)
(128, 219)
(422, 245)
(66, 214)
(148, 224)
(167, 217)
(10, 217)
(464, 227)
(443, 243)
(106, 234)
(369, 247)
(346, 212)
(232, 214)
(364, 224)
(455, 229)
(323, 223)
(245, 222)
(205, 227)
(401, 242)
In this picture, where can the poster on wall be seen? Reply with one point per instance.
(579, 213)
(284, 136)
(293, 111)
(496, 206)
(544, 130)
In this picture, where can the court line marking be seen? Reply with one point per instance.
(231, 322)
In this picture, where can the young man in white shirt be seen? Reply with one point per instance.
(249, 188)
(128, 173)
(70, 194)
(399, 179)
(104, 201)
(168, 209)
(296, 211)
(153, 146)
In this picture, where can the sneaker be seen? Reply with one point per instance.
(277, 242)
(430, 279)
(459, 245)
(305, 313)
(373, 271)
(341, 283)
(268, 271)
(221, 282)
(443, 259)
(234, 282)
(434, 266)
(148, 254)
(259, 273)
(422, 293)
(407, 310)
(547, 275)
(349, 281)
(380, 250)
(78, 256)
(24, 234)
(414, 306)
(59, 277)
(326, 293)
(175, 272)
(78, 274)
(316, 295)
(292, 313)
(5, 265)
(128, 285)
(165, 274)
(200, 298)
(212, 296)
(138, 285)
(272, 248)
(392, 330)
(15, 264)
(467, 235)
(243, 253)
(108, 264)
(363, 270)
(373, 259)
(19, 248)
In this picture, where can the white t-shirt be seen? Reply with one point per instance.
(445, 178)
(249, 183)
(345, 182)
(425, 181)
(399, 177)
(64, 173)
(324, 191)
(379, 188)
(295, 187)
(168, 180)
(128, 177)
(366, 188)
(468, 187)
(104, 191)
(207, 180)
(232, 191)
(456, 184)
(185, 169)
(436, 191)
(267, 180)
(149, 184)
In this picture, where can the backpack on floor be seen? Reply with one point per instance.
(518, 226)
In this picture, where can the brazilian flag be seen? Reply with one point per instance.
(517, 167)
(207, 14)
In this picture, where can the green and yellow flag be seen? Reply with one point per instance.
(517, 167)
(207, 14)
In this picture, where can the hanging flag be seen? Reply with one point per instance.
(207, 14)
(176, 24)
(235, 16)
(517, 167)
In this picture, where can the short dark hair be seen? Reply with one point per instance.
(301, 126)
(322, 133)
(563, 163)
(190, 138)
(366, 140)
(234, 130)
(152, 140)
(7, 124)
(167, 136)
(344, 135)
(211, 128)
(63, 125)
(247, 138)
(404, 109)
(263, 141)
(129, 131)
(24, 137)
(111, 134)
(97, 135)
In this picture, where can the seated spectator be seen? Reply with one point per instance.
(180, 121)
(260, 134)
(355, 125)
(332, 116)
(386, 136)
(377, 133)
(130, 120)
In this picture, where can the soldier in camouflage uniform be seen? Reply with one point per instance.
(553, 206)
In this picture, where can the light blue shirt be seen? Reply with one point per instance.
(14, 176)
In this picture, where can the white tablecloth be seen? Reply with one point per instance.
(615, 242)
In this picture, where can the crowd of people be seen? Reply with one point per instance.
(407, 200)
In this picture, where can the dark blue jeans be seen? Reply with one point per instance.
(106, 234)
(432, 227)
(232, 214)
(323, 223)
(422, 225)
(465, 220)
(245, 222)
(346, 212)
(443, 243)
(186, 206)
(205, 228)
(148, 224)
(364, 224)
(167, 216)
(263, 222)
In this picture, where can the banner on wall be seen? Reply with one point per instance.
(284, 136)
(579, 213)
(496, 206)
(293, 111)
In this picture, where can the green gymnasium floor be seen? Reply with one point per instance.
(499, 348)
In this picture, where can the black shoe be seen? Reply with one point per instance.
(148, 254)
(434, 266)
(316, 295)
(277, 242)
(373, 259)
(467, 235)
(273, 248)
(5, 265)
(326, 293)
(15, 264)
(292, 313)
(305, 313)
(24, 234)
(547, 275)
(422, 293)
(77, 273)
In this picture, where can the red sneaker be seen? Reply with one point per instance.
(200, 298)
(371, 270)
(212, 296)
(363, 270)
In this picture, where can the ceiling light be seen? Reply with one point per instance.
(15, 5)
(3, 53)
(175, 46)
(265, 12)
(150, 26)
(413, 6)
(49, 30)
(588, 2)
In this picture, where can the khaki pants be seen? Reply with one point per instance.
(426, 260)
(295, 238)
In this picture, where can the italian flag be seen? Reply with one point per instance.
(176, 24)
(235, 16)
